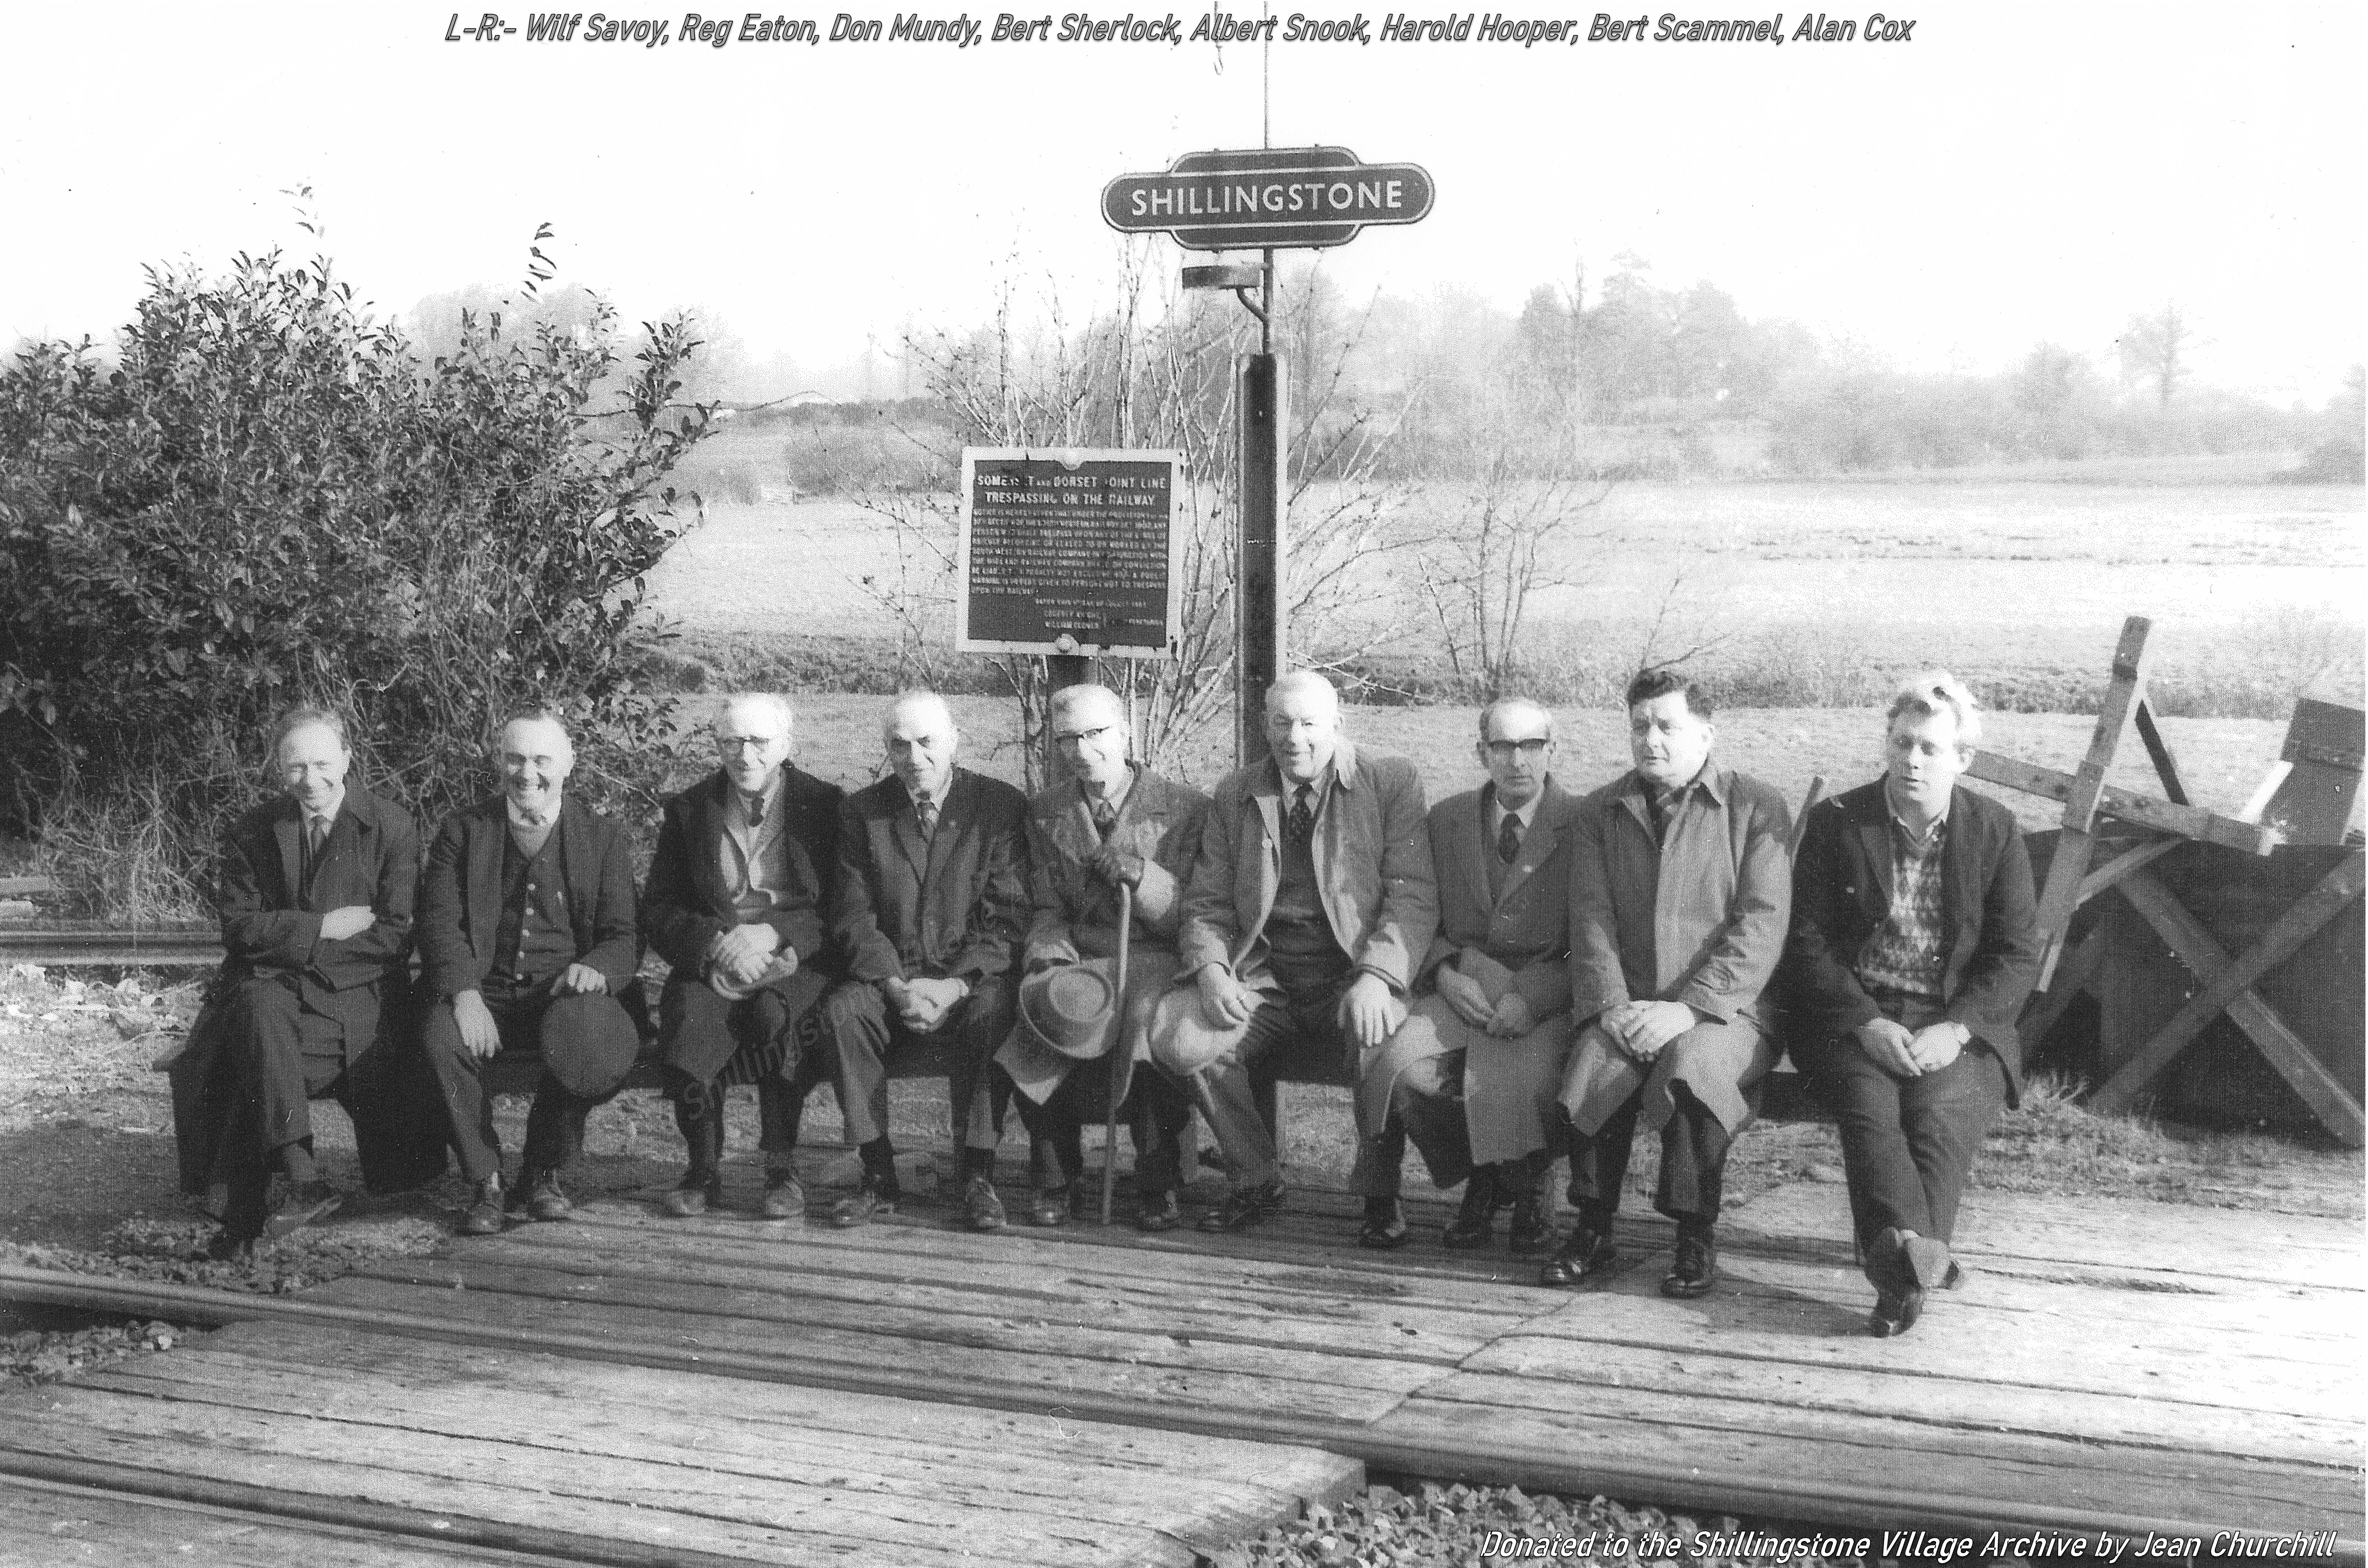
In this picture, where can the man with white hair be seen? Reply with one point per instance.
(528, 939)
(1471, 1074)
(1111, 823)
(1913, 945)
(738, 904)
(1310, 905)
(931, 900)
(315, 898)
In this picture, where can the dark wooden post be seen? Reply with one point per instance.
(1257, 614)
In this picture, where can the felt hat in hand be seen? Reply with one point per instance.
(1068, 1013)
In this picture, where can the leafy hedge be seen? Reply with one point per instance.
(268, 498)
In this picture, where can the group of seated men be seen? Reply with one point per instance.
(1513, 976)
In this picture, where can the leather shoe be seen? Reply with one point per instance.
(1898, 1299)
(545, 1198)
(484, 1215)
(298, 1204)
(785, 1196)
(1160, 1211)
(1531, 1230)
(1243, 1206)
(228, 1247)
(878, 1194)
(982, 1209)
(1050, 1206)
(1696, 1267)
(1470, 1228)
(1584, 1254)
(694, 1195)
(1384, 1229)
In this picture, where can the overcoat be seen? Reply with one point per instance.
(271, 925)
(1698, 918)
(1074, 910)
(1372, 869)
(1841, 893)
(1522, 925)
(685, 905)
(954, 906)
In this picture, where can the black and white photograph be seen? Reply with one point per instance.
(1291, 787)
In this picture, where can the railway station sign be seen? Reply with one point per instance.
(1281, 197)
(1069, 552)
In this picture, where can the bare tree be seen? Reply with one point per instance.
(2154, 347)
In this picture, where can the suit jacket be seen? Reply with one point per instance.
(955, 905)
(1526, 926)
(1701, 921)
(460, 896)
(1842, 893)
(271, 925)
(1076, 910)
(1373, 866)
(685, 906)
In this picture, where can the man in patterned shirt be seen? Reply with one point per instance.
(1914, 943)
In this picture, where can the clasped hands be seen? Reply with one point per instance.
(923, 1005)
(1366, 1014)
(1508, 1018)
(743, 954)
(1644, 1029)
(1910, 1054)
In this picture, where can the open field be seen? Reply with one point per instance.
(1986, 573)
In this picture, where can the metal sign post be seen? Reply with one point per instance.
(1267, 199)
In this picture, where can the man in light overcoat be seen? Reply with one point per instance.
(1471, 1074)
(1312, 903)
(1680, 891)
(1110, 825)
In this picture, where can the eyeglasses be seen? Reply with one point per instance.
(744, 743)
(1533, 746)
(1075, 735)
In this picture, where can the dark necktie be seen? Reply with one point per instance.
(1508, 839)
(926, 810)
(316, 831)
(1303, 815)
(1105, 818)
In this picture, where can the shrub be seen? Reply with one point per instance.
(269, 499)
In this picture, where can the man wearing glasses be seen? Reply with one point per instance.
(1309, 907)
(737, 902)
(1111, 823)
(1471, 1077)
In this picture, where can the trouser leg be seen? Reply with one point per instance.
(1944, 1116)
(1694, 1145)
(459, 1081)
(1887, 1189)
(1156, 1112)
(1226, 1098)
(977, 1094)
(1599, 1161)
(855, 1023)
(1428, 1102)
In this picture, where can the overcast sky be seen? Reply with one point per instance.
(2009, 174)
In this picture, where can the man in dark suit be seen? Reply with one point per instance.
(1914, 946)
(1472, 1074)
(736, 900)
(931, 901)
(528, 939)
(1679, 889)
(1110, 825)
(1310, 903)
(316, 903)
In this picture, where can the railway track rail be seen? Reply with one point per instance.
(111, 947)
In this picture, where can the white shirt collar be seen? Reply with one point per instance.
(1497, 814)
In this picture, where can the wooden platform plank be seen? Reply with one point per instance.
(808, 1266)
(712, 1510)
(47, 1526)
(1972, 1404)
(1129, 1372)
(1774, 1310)
(1294, 1474)
(2171, 1241)
(1861, 1482)
(1038, 1469)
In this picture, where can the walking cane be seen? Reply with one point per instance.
(1109, 1125)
